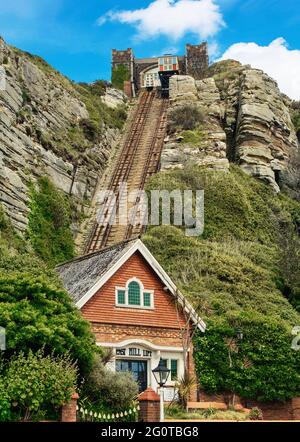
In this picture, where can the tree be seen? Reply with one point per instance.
(37, 314)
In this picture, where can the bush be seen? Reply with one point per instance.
(49, 223)
(186, 117)
(38, 314)
(255, 414)
(90, 129)
(36, 384)
(108, 389)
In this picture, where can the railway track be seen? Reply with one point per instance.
(139, 159)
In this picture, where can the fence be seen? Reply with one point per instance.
(85, 414)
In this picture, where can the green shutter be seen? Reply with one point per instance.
(174, 364)
(134, 293)
(147, 299)
(121, 296)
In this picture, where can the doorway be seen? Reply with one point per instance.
(137, 368)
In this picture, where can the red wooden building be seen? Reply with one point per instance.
(135, 309)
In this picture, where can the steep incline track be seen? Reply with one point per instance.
(138, 160)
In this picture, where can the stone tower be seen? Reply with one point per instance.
(197, 60)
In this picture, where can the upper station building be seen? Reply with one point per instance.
(147, 72)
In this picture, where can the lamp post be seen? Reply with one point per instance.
(161, 374)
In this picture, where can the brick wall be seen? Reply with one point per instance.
(116, 333)
(197, 60)
(69, 411)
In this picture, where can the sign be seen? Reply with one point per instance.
(134, 352)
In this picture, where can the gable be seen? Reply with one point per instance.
(102, 308)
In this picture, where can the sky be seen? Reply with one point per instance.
(76, 36)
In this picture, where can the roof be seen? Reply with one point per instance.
(84, 276)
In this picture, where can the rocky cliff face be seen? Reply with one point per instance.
(46, 129)
(247, 120)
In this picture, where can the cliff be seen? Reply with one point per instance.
(246, 119)
(52, 127)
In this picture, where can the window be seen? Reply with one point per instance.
(134, 296)
(134, 293)
(147, 299)
(174, 369)
(121, 297)
(172, 365)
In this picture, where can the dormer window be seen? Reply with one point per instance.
(134, 295)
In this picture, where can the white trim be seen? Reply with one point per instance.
(141, 342)
(139, 246)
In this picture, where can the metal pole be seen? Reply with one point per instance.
(162, 414)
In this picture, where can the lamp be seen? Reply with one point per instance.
(161, 374)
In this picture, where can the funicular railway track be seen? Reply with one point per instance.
(138, 160)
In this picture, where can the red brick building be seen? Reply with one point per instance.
(135, 309)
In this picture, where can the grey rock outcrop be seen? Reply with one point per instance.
(207, 147)
(246, 120)
(39, 110)
(265, 136)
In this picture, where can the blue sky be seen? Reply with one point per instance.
(77, 36)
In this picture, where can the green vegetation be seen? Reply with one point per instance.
(49, 223)
(99, 113)
(105, 390)
(193, 137)
(234, 275)
(176, 412)
(295, 113)
(35, 386)
(120, 74)
(187, 118)
(39, 314)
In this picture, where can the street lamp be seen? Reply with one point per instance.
(161, 374)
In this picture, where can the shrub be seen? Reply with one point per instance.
(106, 388)
(255, 414)
(5, 403)
(49, 223)
(37, 384)
(186, 117)
(90, 129)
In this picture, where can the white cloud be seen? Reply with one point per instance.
(275, 59)
(172, 18)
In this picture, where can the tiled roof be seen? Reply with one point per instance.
(81, 274)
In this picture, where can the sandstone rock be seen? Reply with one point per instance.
(37, 102)
(264, 131)
(113, 98)
(183, 87)
(210, 150)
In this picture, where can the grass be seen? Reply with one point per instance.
(175, 412)
(193, 137)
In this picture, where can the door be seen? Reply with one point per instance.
(138, 370)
